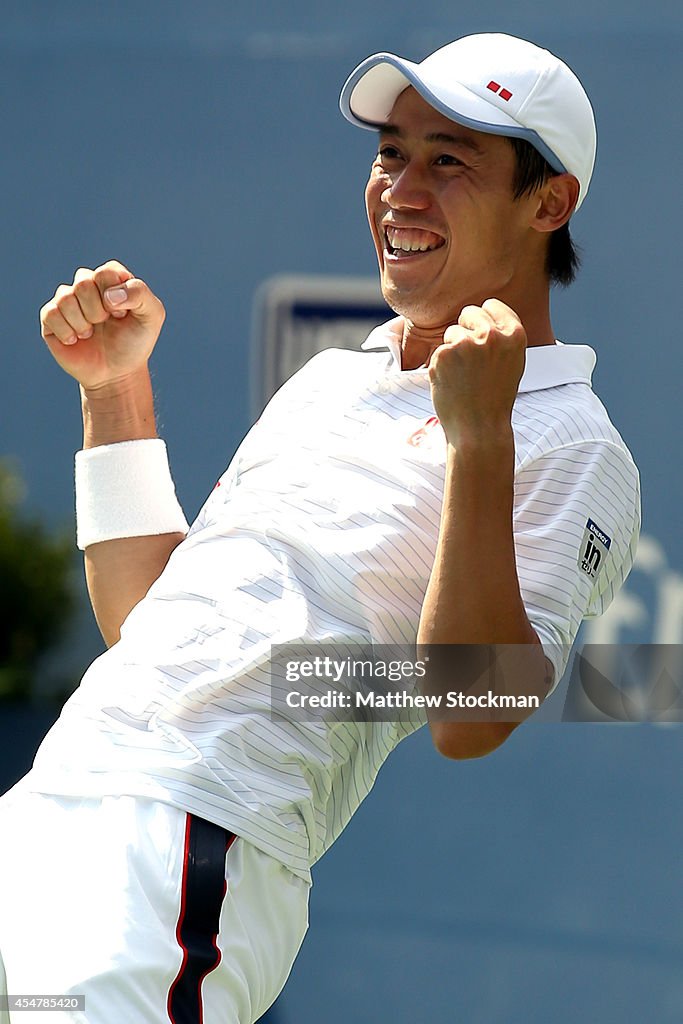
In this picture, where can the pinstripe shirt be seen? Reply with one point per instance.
(323, 529)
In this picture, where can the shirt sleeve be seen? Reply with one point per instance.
(576, 525)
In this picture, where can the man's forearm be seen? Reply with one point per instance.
(473, 595)
(120, 572)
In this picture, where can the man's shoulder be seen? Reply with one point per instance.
(568, 415)
(332, 366)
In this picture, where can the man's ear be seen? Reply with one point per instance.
(555, 202)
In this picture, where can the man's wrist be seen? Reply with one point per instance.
(121, 410)
(482, 441)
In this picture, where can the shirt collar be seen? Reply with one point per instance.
(547, 366)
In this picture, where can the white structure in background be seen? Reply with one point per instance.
(662, 623)
(297, 316)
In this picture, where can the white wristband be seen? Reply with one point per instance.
(125, 490)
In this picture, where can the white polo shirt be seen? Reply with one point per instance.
(324, 529)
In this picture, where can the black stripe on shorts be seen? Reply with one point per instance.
(203, 890)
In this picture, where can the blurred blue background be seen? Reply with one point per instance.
(202, 146)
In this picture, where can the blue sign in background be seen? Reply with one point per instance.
(202, 147)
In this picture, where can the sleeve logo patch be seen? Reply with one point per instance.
(593, 551)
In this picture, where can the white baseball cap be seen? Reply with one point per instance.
(490, 82)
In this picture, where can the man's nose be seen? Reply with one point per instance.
(408, 189)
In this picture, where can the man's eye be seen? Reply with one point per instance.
(388, 153)
(448, 160)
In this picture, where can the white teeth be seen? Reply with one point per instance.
(397, 240)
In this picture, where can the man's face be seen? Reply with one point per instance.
(442, 215)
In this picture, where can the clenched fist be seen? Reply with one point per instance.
(475, 374)
(104, 326)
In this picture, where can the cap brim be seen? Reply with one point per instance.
(369, 93)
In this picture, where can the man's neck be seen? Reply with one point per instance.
(418, 342)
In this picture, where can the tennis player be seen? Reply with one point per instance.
(457, 483)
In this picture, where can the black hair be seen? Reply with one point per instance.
(533, 170)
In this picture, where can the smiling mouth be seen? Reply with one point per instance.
(407, 242)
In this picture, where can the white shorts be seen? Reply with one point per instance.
(151, 914)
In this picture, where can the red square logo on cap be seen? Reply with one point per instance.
(504, 94)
